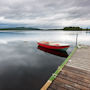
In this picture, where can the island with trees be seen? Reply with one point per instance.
(75, 29)
(72, 29)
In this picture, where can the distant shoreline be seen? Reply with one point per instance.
(37, 29)
(42, 30)
(28, 30)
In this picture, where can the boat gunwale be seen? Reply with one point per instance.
(53, 45)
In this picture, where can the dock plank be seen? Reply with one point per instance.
(64, 85)
(55, 87)
(76, 74)
(76, 70)
(75, 79)
(71, 83)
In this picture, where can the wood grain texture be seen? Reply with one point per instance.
(71, 79)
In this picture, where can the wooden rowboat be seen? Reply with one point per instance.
(54, 45)
(54, 52)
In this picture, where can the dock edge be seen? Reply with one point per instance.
(59, 69)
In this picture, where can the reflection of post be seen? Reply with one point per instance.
(76, 39)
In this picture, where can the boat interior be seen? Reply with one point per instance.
(54, 43)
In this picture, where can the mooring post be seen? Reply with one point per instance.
(77, 40)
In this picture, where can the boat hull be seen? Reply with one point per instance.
(54, 52)
(64, 48)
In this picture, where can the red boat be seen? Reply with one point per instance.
(54, 52)
(54, 45)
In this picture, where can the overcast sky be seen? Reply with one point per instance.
(45, 13)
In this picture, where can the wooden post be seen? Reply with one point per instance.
(77, 40)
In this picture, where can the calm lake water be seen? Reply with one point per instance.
(24, 65)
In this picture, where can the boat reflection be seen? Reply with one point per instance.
(54, 52)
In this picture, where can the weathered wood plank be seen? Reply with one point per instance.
(55, 87)
(74, 79)
(78, 76)
(50, 88)
(68, 80)
(64, 85)
(72, 84)
(76, 70)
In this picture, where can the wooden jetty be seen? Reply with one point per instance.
(75, 73)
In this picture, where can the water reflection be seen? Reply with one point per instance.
(54, 52)
(59, 36)
(24, 67)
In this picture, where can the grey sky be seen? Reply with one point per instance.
(46, 13)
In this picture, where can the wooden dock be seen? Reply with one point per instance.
(76, 73)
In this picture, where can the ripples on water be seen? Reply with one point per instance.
(24, 65)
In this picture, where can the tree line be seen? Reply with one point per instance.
(74, 28)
